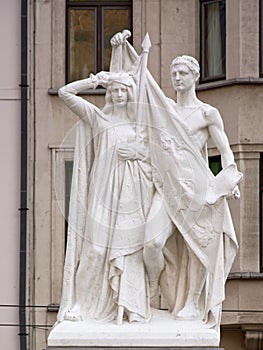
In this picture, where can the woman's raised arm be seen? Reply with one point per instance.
(78, 104)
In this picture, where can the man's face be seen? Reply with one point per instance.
(119, 94)
(182, 78)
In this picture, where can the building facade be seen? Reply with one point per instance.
(67, 41)
(10, 105)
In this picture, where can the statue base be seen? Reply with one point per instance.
(162, 331)
(134, 348)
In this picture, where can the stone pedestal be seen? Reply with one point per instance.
(163, 331)
(123, 348)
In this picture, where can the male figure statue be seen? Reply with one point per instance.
(205, 122)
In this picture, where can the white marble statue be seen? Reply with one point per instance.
(205, 271)
(111, 197)
(148, 220)
(190, 243)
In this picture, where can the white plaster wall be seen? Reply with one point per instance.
(10, 169)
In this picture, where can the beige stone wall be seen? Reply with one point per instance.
(242, 38)
(173, 26)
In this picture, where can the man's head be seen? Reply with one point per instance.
(185, 72)
(189, 61)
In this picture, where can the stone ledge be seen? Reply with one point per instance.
(228, 82)
(98, 91)
(245, 276)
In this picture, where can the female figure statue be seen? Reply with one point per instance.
(104, 276)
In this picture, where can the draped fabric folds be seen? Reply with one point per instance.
(109, 204)
(185, 182)
(181, 175)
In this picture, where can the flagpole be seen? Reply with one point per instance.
(146, 44)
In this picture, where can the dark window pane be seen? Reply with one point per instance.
(213, 39)
(114, 20)
(215, 164)
(82, 37)
(261, 210)
(68, 180)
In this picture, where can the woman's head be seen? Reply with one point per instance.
(121, 89)
(119, 94)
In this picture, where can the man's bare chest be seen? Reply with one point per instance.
(195, 119)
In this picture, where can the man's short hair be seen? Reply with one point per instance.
(189, 61)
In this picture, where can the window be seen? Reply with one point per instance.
(213, 40)
(61, 165)
(90, 26)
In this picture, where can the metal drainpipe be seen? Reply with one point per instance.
(23, 180)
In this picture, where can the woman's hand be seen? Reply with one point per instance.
(133, 151)
(126, 153)
(101, 78)
(120, 38)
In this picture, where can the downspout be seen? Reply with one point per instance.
(23, 180)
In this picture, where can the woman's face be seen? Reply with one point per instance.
(119, 94)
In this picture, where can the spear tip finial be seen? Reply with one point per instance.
(146, 44)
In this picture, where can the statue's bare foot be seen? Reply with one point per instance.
(154, 294)
(73, 315)
(188, 312)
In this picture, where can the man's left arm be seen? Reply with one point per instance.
(219, 137)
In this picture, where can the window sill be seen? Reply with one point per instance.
(100, 91)
(245, 276)
(228, 82)
(53, 307)
(200, 87)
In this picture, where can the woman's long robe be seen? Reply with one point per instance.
(110, 200)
